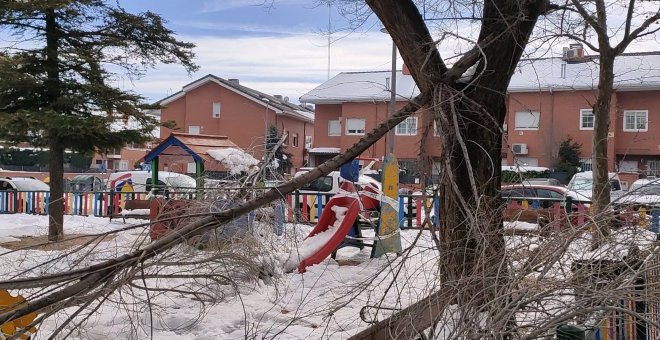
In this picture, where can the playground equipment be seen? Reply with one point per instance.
(340, 215)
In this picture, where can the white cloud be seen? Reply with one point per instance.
(289, 65)
(224, 5)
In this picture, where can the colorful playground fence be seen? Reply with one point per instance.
(412, 209)
(100, 203)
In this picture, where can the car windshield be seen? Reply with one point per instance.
(648, 190)
(31, 185)
(582, 184)
(320, 184)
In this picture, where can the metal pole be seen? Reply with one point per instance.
(392, 109)
(266, 129)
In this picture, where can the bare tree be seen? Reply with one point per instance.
(599, 25)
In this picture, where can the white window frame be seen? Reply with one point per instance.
(217, 109)
(355, 132)
(626, 113)
(123, 164)
(199, 129)
(583, 113)
(436, 132)
(308, 142)
(399, 129)
(294, 141)
(586, 164)
(527, 128)
(336, 132)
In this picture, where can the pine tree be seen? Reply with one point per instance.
(569, 156)
(58, 76)
(282, 160)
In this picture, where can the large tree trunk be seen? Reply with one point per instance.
(55, 203)
(56, 153)
(471, 115)
(601, 187)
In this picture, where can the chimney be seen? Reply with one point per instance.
(278, 97)
(405, 70)
(234, 81)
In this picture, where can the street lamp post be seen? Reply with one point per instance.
(392, 107)
(267, 101)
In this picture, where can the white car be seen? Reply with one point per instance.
(583, 183)
(643, 192)
(22, 184)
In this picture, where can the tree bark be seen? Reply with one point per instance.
(56, 153)
(55, 202)
(601, 181)
(471, 115)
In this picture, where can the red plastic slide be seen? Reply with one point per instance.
(326, 220)
(311, 252)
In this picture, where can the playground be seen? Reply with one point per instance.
(264, 274)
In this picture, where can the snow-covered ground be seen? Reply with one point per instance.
(324, 303)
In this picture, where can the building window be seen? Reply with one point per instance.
(216, 109)
(436, 128)
(194, 129)
(635, 121)
(586, 164)
(527, 120)
(123, 165)
(334, 128)
(408, 127)
(355, 126)
(295, 140)
(308, 142)
(586, 119)
(653, 168)
(286, 137)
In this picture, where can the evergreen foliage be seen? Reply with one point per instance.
(569, 157)
(60, 65)
(283, 160)
(33, 158)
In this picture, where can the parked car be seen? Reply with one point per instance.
(328, 186)
(22, 184)
(643, 193)
(542, 181)
(544, 196)
(140, 181)
(86, 183)
(583, 182)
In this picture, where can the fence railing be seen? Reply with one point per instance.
(97, 203)
(306, 208)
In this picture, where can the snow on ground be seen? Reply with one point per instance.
(323, 303)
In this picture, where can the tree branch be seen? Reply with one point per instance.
(406, 26)
(638, 32)
(588, 18)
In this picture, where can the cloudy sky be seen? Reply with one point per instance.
(278, 49)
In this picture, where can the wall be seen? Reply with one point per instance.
(241, 119)
(559, 119)
(405, 147)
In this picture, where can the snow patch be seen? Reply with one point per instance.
(235, 160)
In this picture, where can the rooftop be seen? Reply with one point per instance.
(633, 72)
(276, 103)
